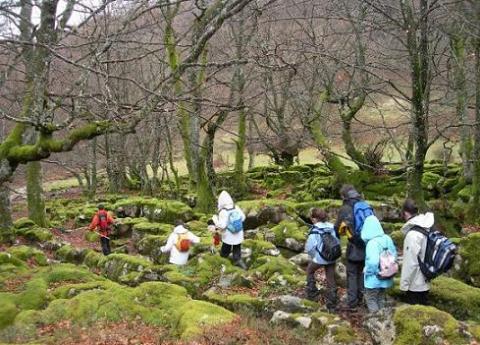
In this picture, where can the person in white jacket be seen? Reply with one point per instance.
(176, 256)
(231, 241)
(412, 280)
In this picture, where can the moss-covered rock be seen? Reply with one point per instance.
(157, 210)
(422, 325)
(152, 228)
(27, 253)
(289, 234)
(23, 223)
(124, 268)
(455, 297)
(470, 254)
(236, 302)
(156, 304)
(278, 271)
(92, 236)
(67, 253)
(398, 237)
(34, 234)
(150, 246)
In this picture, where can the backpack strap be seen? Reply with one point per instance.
(419, 229)
(315, 230)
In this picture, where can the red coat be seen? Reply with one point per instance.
(96, 222)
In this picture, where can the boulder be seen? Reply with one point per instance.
(422, 325)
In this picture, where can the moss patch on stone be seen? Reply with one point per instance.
(411, 321)
(470, 253)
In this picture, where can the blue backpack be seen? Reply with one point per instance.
(439, 254)
(329, 249)
(361, 210)
(235, 223)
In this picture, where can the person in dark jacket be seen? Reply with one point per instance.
(344, 225)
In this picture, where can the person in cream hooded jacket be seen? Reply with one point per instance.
(412, 280)
(231, 242)
(177, 257)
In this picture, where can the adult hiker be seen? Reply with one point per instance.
(230, 223)
(349, 222)
(179, 243)
(412, 280)
(380, 264)
(323, 247)
(102, 221)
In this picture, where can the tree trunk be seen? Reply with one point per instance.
(35, 200)
(418, 48)
(250, 147)
(475, 205)
(5, 213)
(457, 43)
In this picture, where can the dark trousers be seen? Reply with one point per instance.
(312, 291)
(417, 297)
(354, 283)
(105, 245)
(228, 248)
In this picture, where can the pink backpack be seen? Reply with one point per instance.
(388, 265)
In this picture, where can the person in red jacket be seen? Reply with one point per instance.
(102, 221)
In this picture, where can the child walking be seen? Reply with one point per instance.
(380, 264)
(323, 247)
(230, 222)
(179, 243)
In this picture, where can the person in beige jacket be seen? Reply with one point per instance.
(412, 280)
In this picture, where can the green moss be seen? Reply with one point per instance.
(35, 234)
(268, 266)
(150, 245)
(67, 272)
(258, 247)
(92, 236)
(466, 193)
(236, 302)
(410, 321)
(67, 253)
(430, 180)
(254, 206)
(288, 229)
(470, 253)
(455, 297)
(398, 237)
(34, 296)
(475, 330)
(23, 223)
(153, 228)
(92, 259)
(8, 311)
(344, 334)
(119, 267)
(157, 210)
(195, 315)
(72, 290)
(9, 259)
(25, 253)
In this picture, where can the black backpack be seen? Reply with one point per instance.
(330, 249)
(439, 253)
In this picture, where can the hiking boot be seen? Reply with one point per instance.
(240, 263)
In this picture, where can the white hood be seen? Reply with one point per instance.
(225, 201)
(180, 229)
(424, 220)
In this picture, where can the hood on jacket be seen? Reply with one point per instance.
(371, 229)
(424, 220)
(225, 201)
(180, 229)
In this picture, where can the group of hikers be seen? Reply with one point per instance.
(371, 256)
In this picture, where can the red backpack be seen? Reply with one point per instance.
(103, 220)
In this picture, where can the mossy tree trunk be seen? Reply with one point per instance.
(457, 44)
(474, 215)
(419, 55)
(5, 212)
(35, 199)
(250, 146)
(206, 186)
